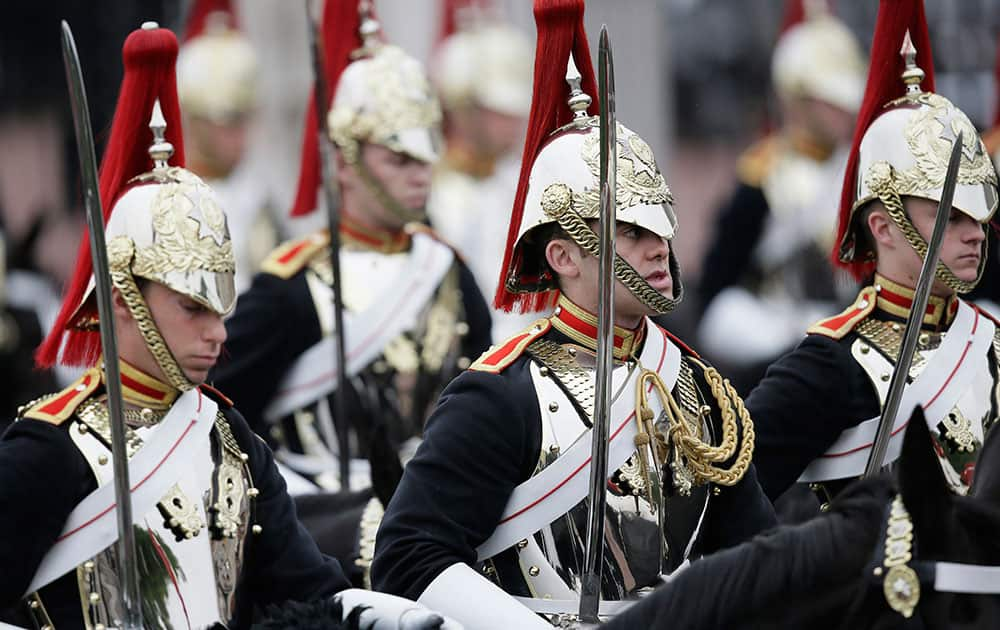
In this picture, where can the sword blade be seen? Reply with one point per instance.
(916, 317)
(590, 595)
(129, 575)
(335, 432)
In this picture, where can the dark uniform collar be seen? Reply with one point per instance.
(358, 236)
(894, 300)
(580, 325)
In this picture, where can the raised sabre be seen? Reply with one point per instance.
(336, 431)
(590, 591)
(128, 574)
(916, 316)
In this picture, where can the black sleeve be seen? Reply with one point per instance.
(42, 478)
(738, 226)
(275, 322)
(477, 314)
(283, 562)
(807, 398)
(480, 442)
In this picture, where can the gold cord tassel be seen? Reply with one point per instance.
(700, 456)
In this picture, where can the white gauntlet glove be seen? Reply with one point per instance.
(389, 612)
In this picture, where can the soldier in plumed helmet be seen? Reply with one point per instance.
(216, 534)
(413, 316)
(488, 522)
(817, 409)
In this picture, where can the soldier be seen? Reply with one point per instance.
(217, 83)
(221, 536)
(482, 73)
(493, 505)
(216, 532)
(767, 274)
(817, 408)
(412, 313)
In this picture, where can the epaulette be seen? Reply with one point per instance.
(497, 358)
(216, 395)
(57, 408)
(292, 256)
(756, 162)
(839, 325)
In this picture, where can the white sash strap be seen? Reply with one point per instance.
(950, 577)
(314, 375)
(557, 488)
(938, 388)
(572, 606)
(93, 525)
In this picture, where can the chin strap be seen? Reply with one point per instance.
(881, 183)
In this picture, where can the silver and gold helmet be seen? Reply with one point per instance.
(217, 72)
(819, 58)
(486, 65)
(904, 151)
(162, 224)
(559, 185)
(382, 96)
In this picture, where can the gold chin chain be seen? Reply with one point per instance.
(581, 233)
(880, 182)
(699, 456)
(125, 283)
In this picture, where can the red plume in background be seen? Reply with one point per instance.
(560, 32)
(149, 57)
(895, 17)
(197, 18)
(341, 37)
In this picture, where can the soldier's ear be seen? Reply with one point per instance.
(119, 306)
(880, 226)
(559, 254)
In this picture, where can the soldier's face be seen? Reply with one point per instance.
(648, 254)
(193, 333)
(403, 178)
(961, 248)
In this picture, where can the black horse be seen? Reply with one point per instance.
(829, 572)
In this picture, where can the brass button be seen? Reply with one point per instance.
(102, 459)
(865, 348)
(877, 571)
(257, 529)
(885, 376)
(94, 598)
(521, 544)
(716, 490)
(81, 427)
(463, 363)
(146, 414)
(543, 371)
(824, 507)
(34, 604)
(554, 449)
(896, 328)
(253, 492)
(533, 571)
(571, 351)
(924, 339)
(553, 406)
(705, 410)
(461, 329)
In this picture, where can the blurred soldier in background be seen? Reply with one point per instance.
(766, 274)
(412, 312)
(482, 73)
(217, 84)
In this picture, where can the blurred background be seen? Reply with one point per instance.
(693, 78)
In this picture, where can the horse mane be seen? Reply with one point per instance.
(759, 574)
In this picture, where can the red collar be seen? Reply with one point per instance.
(581, 326)
(367, 237)
(896, 299)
